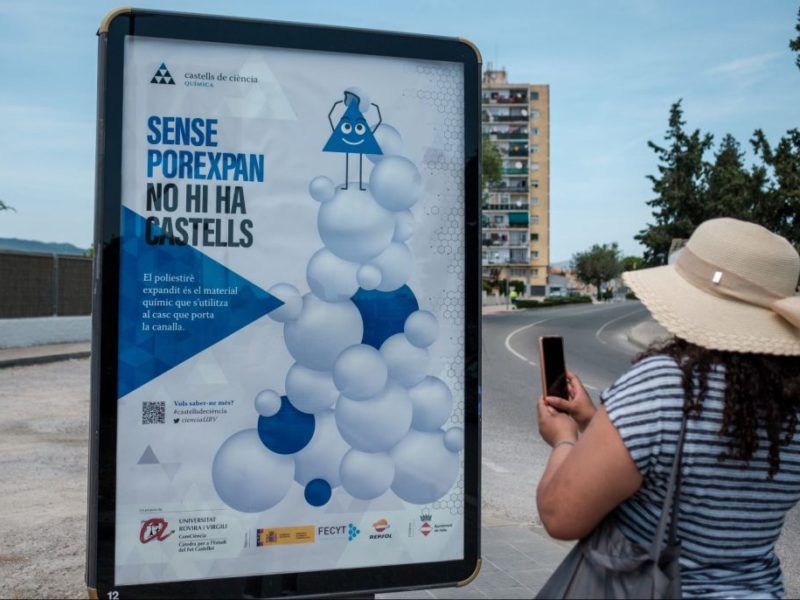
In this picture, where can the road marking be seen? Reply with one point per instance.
(524, 327)
(591, 387)
(626, 315)
(494, 466)
(515, 332)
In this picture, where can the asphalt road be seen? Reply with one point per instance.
(597, 349)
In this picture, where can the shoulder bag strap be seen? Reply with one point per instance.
(670, 499)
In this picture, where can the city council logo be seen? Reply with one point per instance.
(163, 76)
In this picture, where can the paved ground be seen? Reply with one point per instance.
(43, 450)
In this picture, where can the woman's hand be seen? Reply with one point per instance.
(554, 426)
(579, 406)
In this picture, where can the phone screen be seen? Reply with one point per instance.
(553, 368)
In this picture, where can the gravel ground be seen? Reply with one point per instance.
(43, 457)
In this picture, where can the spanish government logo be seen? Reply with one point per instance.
(163, 76)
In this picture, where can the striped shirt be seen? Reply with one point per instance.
(730, 513)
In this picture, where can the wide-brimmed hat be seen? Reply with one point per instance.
(733, 288)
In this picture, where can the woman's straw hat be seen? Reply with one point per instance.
(733, 288)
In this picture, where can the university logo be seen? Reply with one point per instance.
(154, 529)
(163, 76)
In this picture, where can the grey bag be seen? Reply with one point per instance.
(605, 564)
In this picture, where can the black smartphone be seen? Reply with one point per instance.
(554, 370)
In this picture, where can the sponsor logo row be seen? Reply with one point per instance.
(158, 529)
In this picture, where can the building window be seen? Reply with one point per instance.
(534, 114)
(534, 219)
(535, 183)
(534, 131)
(534, 272)
(534, 95)
(534, 237)
(534, 149)
(534, 254)
(519, 272)
(534, 201)
(534, 165)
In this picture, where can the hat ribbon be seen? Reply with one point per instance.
(716, 280)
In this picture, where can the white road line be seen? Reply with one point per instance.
(494, 466)
(515, 332)
(599, 331)
(524, 327)
(591, 387)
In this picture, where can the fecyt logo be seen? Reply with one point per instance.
(163, 76)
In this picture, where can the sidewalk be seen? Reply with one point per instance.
(18, 357)
(517, 560)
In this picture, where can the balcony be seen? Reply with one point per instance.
(505, 206)
(505, 132)
(508, 115)
(517, 185)
(512, 96)
(514, 170)
(505, 257)
(511, 150)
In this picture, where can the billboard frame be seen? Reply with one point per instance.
(101, 517)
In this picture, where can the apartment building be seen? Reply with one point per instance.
(516, 212)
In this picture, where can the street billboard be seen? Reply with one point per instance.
(285, 381)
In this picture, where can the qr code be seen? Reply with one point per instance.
(153, 412)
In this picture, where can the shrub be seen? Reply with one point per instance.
(554, 301)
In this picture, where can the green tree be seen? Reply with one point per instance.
(679, 205)
(778, 202)
(491, 163)
(794, 44)
(631, 263)
(729, 187)
(597, 265)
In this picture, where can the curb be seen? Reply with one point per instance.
(24, 361)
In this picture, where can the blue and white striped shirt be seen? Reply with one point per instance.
(730, 513)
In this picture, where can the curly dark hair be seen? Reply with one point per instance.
(762, 391)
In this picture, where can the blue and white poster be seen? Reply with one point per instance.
(291, 352)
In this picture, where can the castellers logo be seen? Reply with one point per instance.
(154, 529)
(380, 526)
(163, 76)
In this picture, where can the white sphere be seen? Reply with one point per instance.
(330, 277)
(322, 331)
(248, 476)
(310, 391)
(421, 328)
(407, 363)
(322, 457)
(355, 227)
(395, 183)
(322, 189)
(376, 424)
(424, 469)
(395, 264)
(432, 402)
(390, 141)
(454, 439)
(360, 372)
(403, 226)
(369, 277)
(268, 403)
(292, 302)
(366, 475)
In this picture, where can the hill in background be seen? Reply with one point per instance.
(40, 247)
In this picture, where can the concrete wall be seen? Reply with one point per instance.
(16, 333)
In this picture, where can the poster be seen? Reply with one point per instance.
(291, 312)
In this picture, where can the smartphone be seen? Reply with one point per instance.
(554, 370)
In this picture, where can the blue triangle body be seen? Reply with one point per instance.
(146, 354)
(351, 141)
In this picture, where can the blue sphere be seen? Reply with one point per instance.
(384, 313)
(318, 492)
(288, 431)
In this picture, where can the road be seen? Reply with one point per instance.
(597, 349)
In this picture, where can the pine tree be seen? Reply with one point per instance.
(679, 205)
(795, 43)
(729, 191)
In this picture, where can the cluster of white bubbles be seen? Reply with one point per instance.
(379, 414)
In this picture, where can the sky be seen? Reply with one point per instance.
(614, 68)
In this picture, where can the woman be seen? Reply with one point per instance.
(733, 367)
